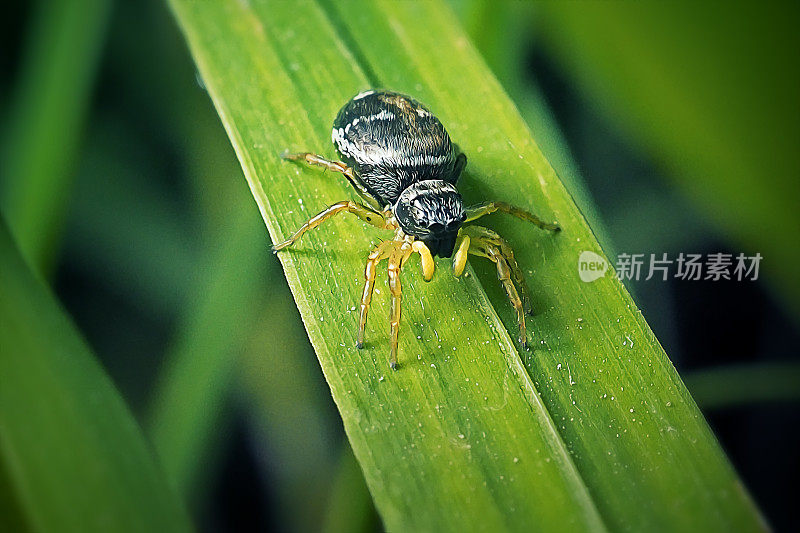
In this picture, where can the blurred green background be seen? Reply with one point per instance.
(682, 119)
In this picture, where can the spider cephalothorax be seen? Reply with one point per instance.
(402, 163)
(433, 212)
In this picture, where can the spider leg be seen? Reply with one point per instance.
(488, 208)
(519, 278)
(396, 260)
(337, 166)
(508, 254)
(484, 246)
(363, 212)
(378, 254)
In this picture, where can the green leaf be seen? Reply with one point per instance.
(592, 428)
(287, 410)
(200, 365)
(71, 456)
(45, 122)
(737, 385)
(712, 94)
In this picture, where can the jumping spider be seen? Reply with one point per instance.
(401, 161)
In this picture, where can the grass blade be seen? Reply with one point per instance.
(391, 458)
(71, 455)
(46, 118)
(602, 374)
(460, 436)
(202, 361)
(687, 82)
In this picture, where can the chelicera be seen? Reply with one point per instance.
(404, 167)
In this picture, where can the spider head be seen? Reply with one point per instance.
(433, 212)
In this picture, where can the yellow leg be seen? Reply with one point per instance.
(336, 166)
(396, 260)
(318, 160)
(485, 247)
(508, 253)
(488, 208)
(519, 278)
(378, 254)
(364, 213)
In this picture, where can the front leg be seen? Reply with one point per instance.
(486, 243)
(396, 260)
(488, 208)
(506, 251)
(378, 254)
(364, 213)
(504, 275)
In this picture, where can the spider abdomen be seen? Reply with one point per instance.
(392, 141)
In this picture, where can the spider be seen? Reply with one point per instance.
(404, 167)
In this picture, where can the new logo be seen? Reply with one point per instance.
(591, 266)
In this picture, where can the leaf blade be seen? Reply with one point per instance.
(47, 112)
(586, 327)
(313, 64)
(386, 472)
(687, 83)
(72, 454)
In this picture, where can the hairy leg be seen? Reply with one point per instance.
(378, 254)
(488, 208)
(396, 259)
(508, 254)
(364, 213)
(484, 247)
(337, 166)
